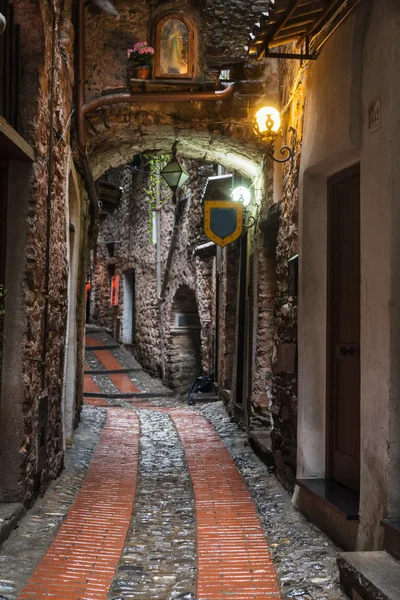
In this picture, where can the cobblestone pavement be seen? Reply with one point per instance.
(183, 542)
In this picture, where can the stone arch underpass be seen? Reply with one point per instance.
(115, 136)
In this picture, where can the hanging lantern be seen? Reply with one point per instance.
(174, 175)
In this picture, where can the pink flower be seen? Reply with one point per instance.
(128, 52)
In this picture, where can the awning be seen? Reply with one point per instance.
(306, 23)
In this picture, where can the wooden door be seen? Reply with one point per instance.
(344, 328)
(241, 337)
(133, 283)
(3, 223)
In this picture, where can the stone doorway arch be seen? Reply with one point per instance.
(184, 351)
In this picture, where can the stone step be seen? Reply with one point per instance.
(198, 397)
(112, 371)
(369, 575)
(121, 396)
(103, 347)
(261, 443)
(10, 514)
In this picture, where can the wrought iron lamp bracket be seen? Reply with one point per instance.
(266, 141)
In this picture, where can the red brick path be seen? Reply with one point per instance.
(234, 562)
(81, 562)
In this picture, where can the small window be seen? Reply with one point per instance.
(175, 48)
(187, 321)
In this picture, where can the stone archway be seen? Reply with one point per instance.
(184, 348)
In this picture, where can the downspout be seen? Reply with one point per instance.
(158, 266)
(178, 213)
(50, 175)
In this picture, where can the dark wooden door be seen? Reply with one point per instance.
(133, 283)
(240, 366)
(3, 223)
(344, 328)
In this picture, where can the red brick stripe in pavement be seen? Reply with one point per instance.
(234, 562)
(121, 380)
(90, 385)
(91, 341)
(81, 562)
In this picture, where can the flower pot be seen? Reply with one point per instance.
(142, 72)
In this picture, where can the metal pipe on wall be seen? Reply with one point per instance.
(119, 98)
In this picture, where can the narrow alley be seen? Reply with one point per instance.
(159, 500)
(199, 299)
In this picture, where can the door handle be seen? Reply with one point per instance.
(347, 350)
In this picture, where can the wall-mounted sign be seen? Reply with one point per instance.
(223, 221)
(114, 290)
(374, 115)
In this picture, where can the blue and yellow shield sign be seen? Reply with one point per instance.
(223, 221)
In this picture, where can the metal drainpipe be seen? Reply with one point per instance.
(178, 213)
(158, 267)
(143, 97)
(50, 175)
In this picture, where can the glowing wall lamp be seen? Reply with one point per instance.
(241, 194)
(266, 126)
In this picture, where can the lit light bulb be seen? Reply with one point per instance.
(268, 119)
(241, 194)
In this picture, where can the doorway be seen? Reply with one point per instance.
(73, 244)
(3, 247)
(129, 314)
(343, 392)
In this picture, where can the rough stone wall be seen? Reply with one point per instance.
(116, 133)
(228, 311)
(35, 22)
(222, 29)
(128, 228)
(284, 404)
(261, 398)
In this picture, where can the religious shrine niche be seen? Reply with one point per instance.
(175, 48)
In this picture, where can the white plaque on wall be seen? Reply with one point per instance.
(374, 115)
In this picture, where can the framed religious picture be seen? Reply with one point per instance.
(175, 48)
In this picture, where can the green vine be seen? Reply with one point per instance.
(156, 163)
(3, 296)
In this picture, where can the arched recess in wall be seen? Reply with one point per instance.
(175, 44)
(184, 354)
(73, 245)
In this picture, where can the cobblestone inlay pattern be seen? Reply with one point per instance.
(26, 546)
(304, 557)
(159, 559)
(81, 562)
(233, 557)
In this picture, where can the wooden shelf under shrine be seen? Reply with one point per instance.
(168, 85)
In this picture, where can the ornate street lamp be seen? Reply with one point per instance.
(266, 126)
(174, 175)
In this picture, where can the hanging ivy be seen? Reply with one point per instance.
(156, 163)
